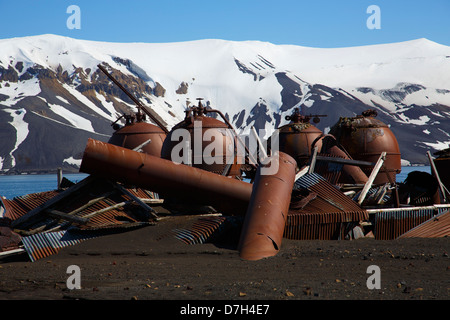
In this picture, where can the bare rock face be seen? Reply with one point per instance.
(183, 88)
(159, 90)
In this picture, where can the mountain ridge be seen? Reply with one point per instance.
(50, 78)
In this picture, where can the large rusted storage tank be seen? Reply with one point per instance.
(442, 164)
(205, 152)
(297, 137)
(137, 132)
(365, 138)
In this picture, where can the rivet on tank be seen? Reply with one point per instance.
(364, 137)
(203, 131)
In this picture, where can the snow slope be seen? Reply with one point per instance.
(254, 83)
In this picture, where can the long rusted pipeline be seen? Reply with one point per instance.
(264, 222)
(180, 181)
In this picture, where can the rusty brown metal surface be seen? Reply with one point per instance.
(435, 227)
(111, 210)
(365, 138)
(352, 173)
(297, 137)
(390, 224)
(19, 206)
(135, 134)
(318, 210)
(442, 164)
(196, 116)
(183, 182)
(264, 222)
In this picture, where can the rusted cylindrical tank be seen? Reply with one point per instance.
(136, 133)
(364, 137)
(209, 141)
(296, 138)
(193, 185)
(267, 211)
(442, 164)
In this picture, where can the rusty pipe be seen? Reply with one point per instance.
(190, 184)
(265, 220)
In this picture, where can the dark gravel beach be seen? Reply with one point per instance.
(149, 263)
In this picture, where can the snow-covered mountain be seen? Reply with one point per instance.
(53, 96)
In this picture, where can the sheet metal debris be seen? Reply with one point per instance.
(435, 227)
(319, 210)
(42, 245)
(201, 231)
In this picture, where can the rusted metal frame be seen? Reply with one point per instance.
(372, 177)
(349, 162)
(141, 203)
(140, 105)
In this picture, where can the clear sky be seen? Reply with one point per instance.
(313, 23)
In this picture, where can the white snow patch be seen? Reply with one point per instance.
(76, 120)
(405, 163)
(19, 90)
(62, 99)
(21, 128)
(73, 161)
(78, 95)
(439, 145)
(426, 131)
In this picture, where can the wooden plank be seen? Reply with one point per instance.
(64, 216)
(137, 200)
(372, 177)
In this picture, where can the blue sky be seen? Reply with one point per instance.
(313, 23)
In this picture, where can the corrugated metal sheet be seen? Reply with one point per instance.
(19, 206)
(42, 245)
(391, 223)
(201, 230)
(320, 211)
(330, 171)
(120, 216)
(436, 227)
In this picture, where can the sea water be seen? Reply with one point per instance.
(18, 185)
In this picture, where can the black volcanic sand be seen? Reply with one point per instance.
(150, 263)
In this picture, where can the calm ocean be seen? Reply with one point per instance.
(19, 185)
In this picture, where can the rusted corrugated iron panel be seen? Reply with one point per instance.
(330, 171)
(436, 227)
(321, 226)
(320, 211)
(201, 231)
(328, 193)
(19, 206)
(42, 245)
(391, 224)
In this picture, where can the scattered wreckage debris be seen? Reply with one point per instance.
(48, 221)
(327, 186)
